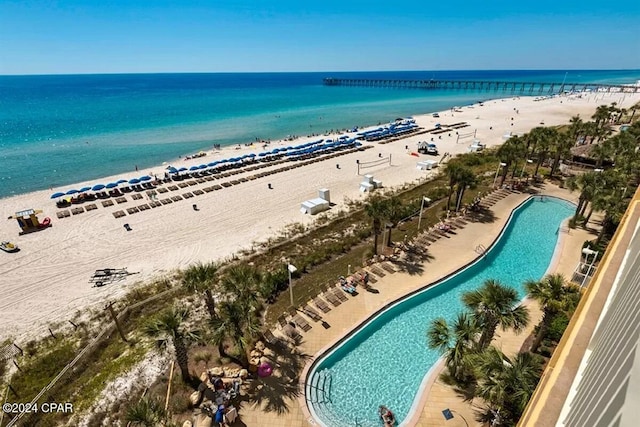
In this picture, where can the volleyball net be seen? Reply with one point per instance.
(374, 163)
(462, 137)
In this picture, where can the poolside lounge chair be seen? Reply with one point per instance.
(311, 313)
(282, 321)
(301, 322)
(332, 298)
(319, 302)
(388, 267)
(268, 336)
(377, 271)
(339, 293)
(290, 332)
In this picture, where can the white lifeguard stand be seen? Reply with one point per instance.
(370, 184)
(426, 165)
(319, 204)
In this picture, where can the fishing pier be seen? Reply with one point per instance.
(525, 88)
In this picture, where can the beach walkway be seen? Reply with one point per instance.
(355, 310)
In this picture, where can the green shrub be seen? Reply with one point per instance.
(545, 351)
(557, 327)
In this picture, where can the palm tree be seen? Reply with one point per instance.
(375, 209)
(238, 324)
(466, 179)
(393, 213)
(541, 143)
(550, 292)
(587, 183)
(493, 305)
(452, 171)
(456, 342)
(201, 278)
(169, 328)
(510, 152)
(562, 144)
(241, 283)
(146, 412)
(506, 384)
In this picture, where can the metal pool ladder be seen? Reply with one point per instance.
(481, 250)
(321, 390)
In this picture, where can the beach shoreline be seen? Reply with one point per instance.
(49, 277)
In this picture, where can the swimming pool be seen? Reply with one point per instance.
(386, 360)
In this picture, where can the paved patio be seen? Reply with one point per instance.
(341, 320)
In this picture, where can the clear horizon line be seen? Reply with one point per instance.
(310, 72)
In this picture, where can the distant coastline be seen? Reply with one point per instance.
(63, 129)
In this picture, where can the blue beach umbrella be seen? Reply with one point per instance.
(121, 181)
(262, 154)
(145, 178)
(212, 164)
(83, 189)
(71, 192)
(182, 169)
(203, 167)
(193, 168)
(134, 181)
(251, 155)
(172, 170)
(56, 195)
(97, 187)
(112, 185)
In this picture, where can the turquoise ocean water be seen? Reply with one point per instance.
(58, 130)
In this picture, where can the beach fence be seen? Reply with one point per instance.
(372, 164)
(82, 358)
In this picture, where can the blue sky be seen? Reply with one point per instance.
(110, 36)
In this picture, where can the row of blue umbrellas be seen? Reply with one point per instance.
(296, 150)
(98, 187)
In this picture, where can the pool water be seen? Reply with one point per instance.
(385, 361)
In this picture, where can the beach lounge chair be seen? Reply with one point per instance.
(120, 200)
(107, 203)
(119, 214)
(322, 306)
(91, 207)
(136, 196)
(132, 210)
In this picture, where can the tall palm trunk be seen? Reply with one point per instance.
(183, 357)
(376, 233)
(210, 303)
(488, 331)
(542, 330)
(223, 353)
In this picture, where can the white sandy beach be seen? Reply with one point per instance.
(48, 280)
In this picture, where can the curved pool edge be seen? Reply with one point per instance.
(422, 394)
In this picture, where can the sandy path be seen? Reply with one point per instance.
(48, 279)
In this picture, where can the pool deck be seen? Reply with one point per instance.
(344, 318)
